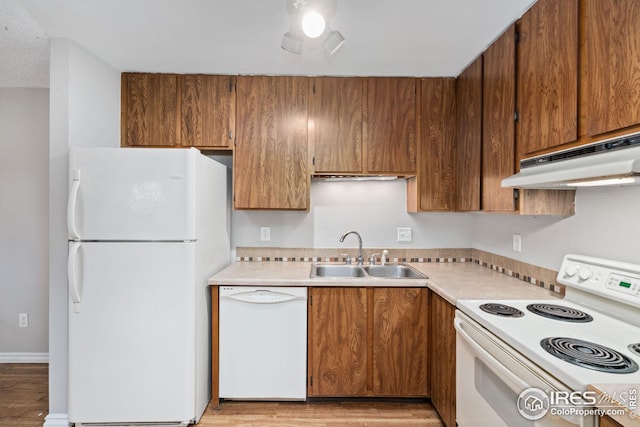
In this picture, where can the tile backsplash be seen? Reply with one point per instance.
(529, 273)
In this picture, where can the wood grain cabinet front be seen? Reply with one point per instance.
(442, 358)
(363, 125)
(547, 76)
(498, 147)
(469, 137)
(368, 342)
(434, 186)
(611, 36)
(208, 111)
(390, 125)
(271, 158)
(149, 115)
(335, 124)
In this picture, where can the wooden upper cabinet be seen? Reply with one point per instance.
(271, 157)
(498, 144)
(208, 111)
(390, 125)
(547, 76)
(338, 362)
(469, 136)
(335, 124)
(612, 64)
(150, 113)
(437, 145)
(400, 342)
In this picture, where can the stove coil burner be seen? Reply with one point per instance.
(589, 355)
(501, 310)
(635, 348)
(559, 312)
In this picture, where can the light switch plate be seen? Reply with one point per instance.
(404, 234)
(265, 234)
(517, 243)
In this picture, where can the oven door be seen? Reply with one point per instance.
(490, 376)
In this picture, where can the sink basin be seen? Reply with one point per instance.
(388, 271)
(393, 271)
(336, 270)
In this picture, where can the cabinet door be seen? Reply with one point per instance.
(442, 358)
(607, 421)
(390, 125)
(335, 124)
(469, 136)
(337, 342)
(438, 138)
(150, 110)
(271, 159)
(613, 64)
(208, 110)
(498, 157)
(547, 76)
(400, 342)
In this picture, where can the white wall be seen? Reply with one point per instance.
(85, 111)
(24, 225)
(606, 224)
(374, 208)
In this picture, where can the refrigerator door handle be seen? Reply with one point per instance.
(71, 206)
(75, 287)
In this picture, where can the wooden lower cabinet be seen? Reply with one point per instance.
(442, 358)
(607, 421)
(368, 342)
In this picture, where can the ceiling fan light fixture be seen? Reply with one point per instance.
(333, 42)
(291, 43)
(313, 24)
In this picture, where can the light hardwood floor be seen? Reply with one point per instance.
(24, 402)
(345, 413)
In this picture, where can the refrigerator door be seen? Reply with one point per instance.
(131, 332)
(132, 194)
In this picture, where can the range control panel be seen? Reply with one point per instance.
(624, 284)
(609, 278)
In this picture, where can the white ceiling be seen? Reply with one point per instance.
(383, 37)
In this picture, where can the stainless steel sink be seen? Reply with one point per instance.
(387, 271)
(336, 270)
(393, 271)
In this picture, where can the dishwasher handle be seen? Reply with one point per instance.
(263, 296)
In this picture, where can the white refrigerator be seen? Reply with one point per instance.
(147, 228)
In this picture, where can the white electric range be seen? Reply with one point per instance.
(528, 362)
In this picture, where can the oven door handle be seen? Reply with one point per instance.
(517, 384)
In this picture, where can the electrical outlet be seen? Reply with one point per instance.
(517, 243)
(404, 234)
(265, 234)
(23, 320)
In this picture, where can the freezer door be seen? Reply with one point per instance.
(132, 194)
(131, 332)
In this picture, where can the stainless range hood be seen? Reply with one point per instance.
(614, 161)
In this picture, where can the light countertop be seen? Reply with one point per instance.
(452, 281)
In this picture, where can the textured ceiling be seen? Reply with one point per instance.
(422, 38)
(24, 47)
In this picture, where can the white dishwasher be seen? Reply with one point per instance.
(263, 343)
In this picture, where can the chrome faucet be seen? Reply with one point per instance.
(360, 258)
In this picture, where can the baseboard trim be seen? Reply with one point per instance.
(24, 357)
(56, 420)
